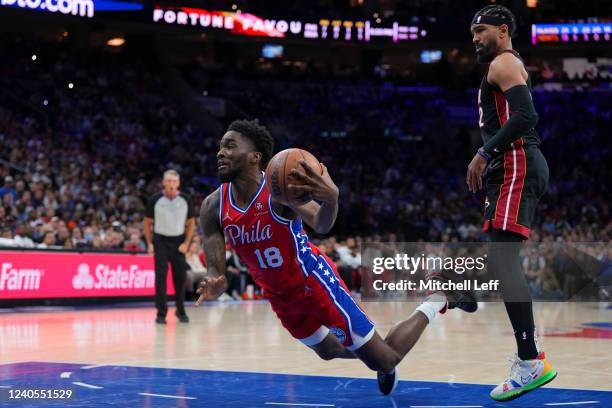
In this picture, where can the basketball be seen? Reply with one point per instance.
(278, 174)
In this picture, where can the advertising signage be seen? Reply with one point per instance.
(78, 8)
(251, 25)
(34, 275)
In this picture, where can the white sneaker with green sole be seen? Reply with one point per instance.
(525, 376)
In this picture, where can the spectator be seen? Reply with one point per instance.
(134, 244)
(49, 241)
(22, 237)
(197, 269)
(350, 258)
(77, 240)
(238, 279)
(8, 188)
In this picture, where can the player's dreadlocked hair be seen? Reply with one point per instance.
(258, 134)
(502, 12)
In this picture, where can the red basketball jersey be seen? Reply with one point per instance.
(275, 250)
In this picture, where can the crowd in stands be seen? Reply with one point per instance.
(399, 154)
(85, 136)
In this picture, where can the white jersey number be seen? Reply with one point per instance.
(273, 258)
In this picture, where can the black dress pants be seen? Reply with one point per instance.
(166, 251)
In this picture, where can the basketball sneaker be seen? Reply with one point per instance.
(525, 376)
(387, 382)
(464, 299)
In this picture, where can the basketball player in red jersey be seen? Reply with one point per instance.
(516, 177)
(300, 282)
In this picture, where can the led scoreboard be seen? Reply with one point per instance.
(568, 33)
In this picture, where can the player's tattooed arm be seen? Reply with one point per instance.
(213, 242)
(321, 212)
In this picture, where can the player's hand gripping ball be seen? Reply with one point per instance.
(288, 179)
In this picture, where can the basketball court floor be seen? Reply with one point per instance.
(238, 355)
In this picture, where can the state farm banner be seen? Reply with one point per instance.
(32, 274)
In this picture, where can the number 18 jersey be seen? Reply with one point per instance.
(275, 250)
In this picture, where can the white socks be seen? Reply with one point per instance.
(432, 305)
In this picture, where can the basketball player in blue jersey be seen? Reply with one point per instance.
(514, 173)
